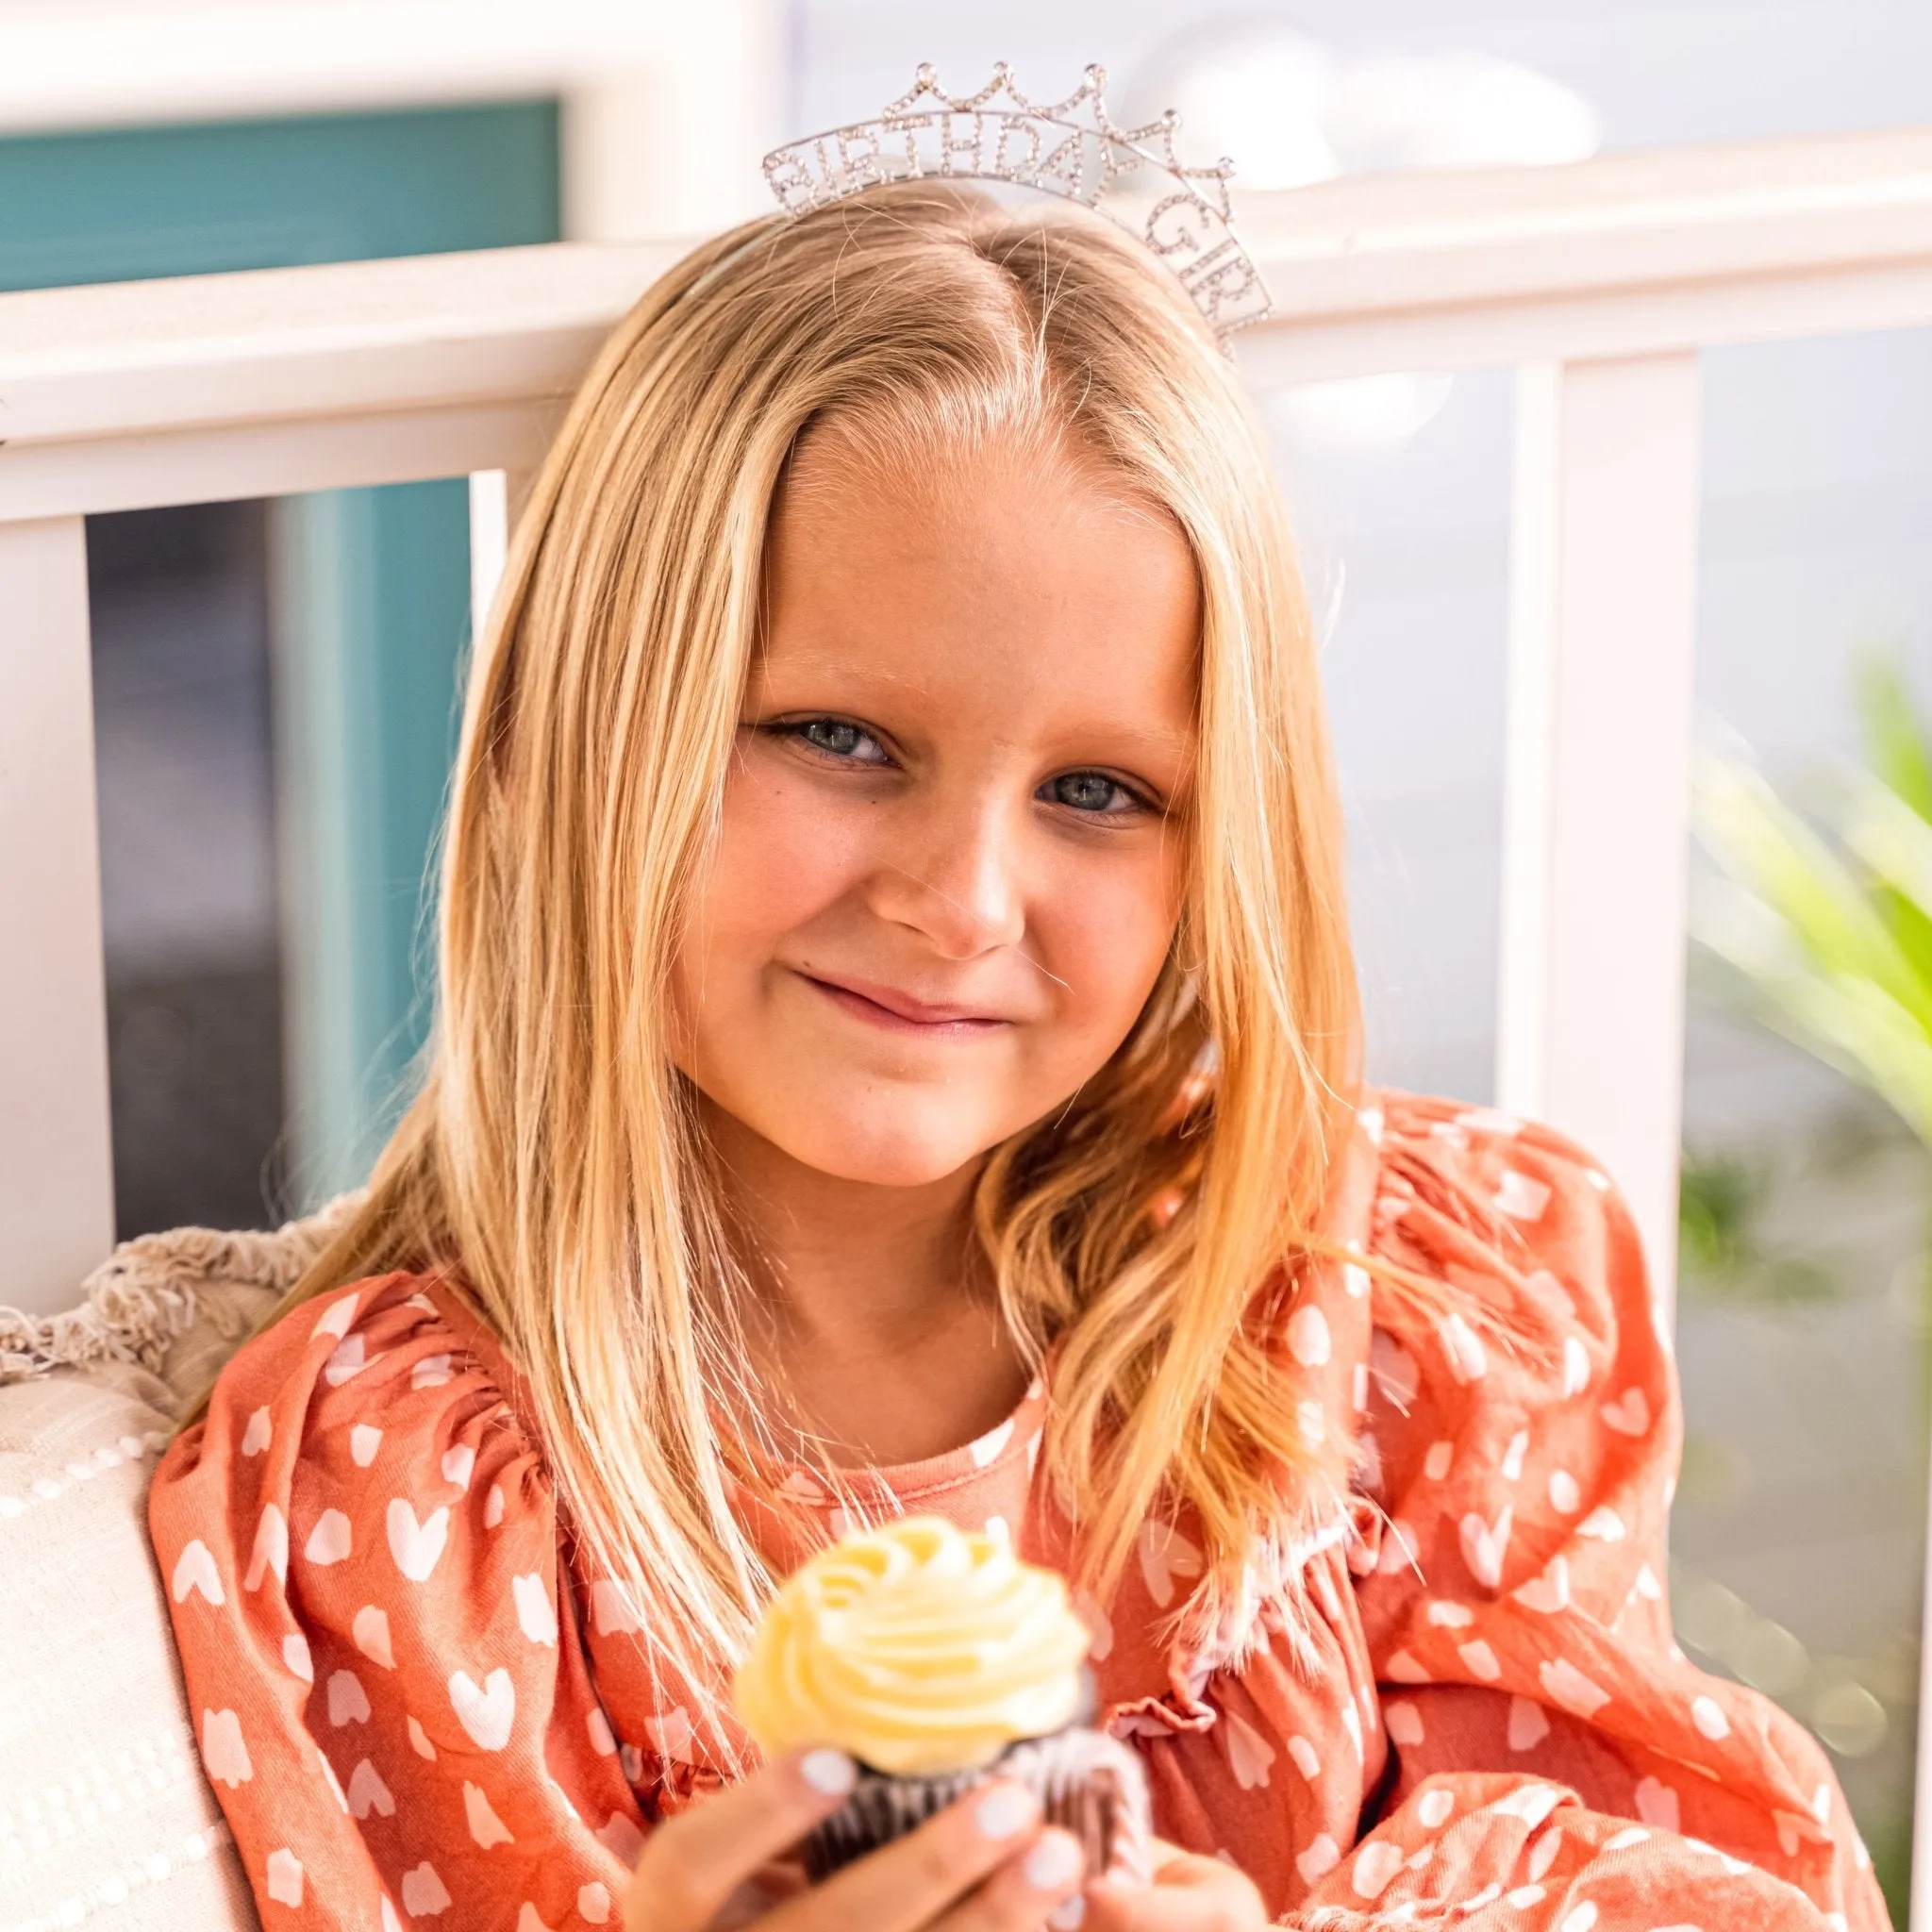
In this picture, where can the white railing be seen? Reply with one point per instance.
(1598, 282)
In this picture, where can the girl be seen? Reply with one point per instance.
(896, 1051)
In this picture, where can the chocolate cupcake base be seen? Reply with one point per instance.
(1086, 1782)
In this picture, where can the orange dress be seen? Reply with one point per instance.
(415, 1705)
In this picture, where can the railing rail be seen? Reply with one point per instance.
(1599, 282)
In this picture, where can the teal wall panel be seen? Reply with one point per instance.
(129, 204)
(371, 588)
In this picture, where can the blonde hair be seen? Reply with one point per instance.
(552, 1159)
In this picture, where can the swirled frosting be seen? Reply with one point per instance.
(917, 1646)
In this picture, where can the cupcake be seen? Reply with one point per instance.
(938, 1659)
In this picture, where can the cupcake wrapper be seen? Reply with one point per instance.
(1086, 1782)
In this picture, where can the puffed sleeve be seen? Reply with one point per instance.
(380, 1646)
(1555, 1761)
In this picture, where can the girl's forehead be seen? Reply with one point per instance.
(1007, 589)
(905, 453)
(987, 521)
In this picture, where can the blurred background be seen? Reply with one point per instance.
(275, 683)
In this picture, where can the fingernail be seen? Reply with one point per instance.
(829, 1771)
(1068, 1913)
(1004, 1811)
(1054, 1860)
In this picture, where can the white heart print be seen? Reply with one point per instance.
(486, 1827)
(1481, 1660)
(1165, 1553)
(424, 1892)
(370, 1632)
(348, 1703)
(1249, 1754)
(1483, 1544)
(611, 1610)
(670, 1732)
(1308, 1339)
(285, 1877)
(336, 1321)
(1570, 1688)
(1375, 1864)
(271, 1552)
(1099, 1627)
(1320, 1858)
(1468, 1359)
(416, 1546)
(223, 1751)
(536, 1613)
(985, 1449)
(1529, 1724)
(1629, 1415)
(1657, 1804)
(194, 1569)
(488, 1713)
(1549, 1593)
(367, 1792)
(1395, 1370)
(350, 1358)
(1522, 1197)
(330, 1541)
(1576, 1366)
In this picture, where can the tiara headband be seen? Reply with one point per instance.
(1070, 148)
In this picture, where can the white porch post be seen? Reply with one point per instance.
(488, 544)
(57, 1163)
(496, 499)
(1603, 623)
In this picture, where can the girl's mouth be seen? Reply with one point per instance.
(896, 1011)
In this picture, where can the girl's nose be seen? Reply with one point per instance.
(954, 877)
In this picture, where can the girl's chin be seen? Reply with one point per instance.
(858, 1151)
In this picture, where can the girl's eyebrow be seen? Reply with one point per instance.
(1133, 746)
(825, 662)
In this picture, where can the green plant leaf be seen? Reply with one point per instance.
(1888, 1044)
(1845, 1021)
(1769, 849)
(1894, 745)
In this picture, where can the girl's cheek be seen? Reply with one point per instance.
(1105, 929)
(786, 853)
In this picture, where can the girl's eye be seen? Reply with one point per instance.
(838, 739)
(1090, 792)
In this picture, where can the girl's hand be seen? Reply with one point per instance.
(1189, 1894)
(983, 1864)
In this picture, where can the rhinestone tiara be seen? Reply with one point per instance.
(1071, 148)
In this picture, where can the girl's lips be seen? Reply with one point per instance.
(899, 1013)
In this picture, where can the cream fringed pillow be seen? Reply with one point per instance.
(105, 1817)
